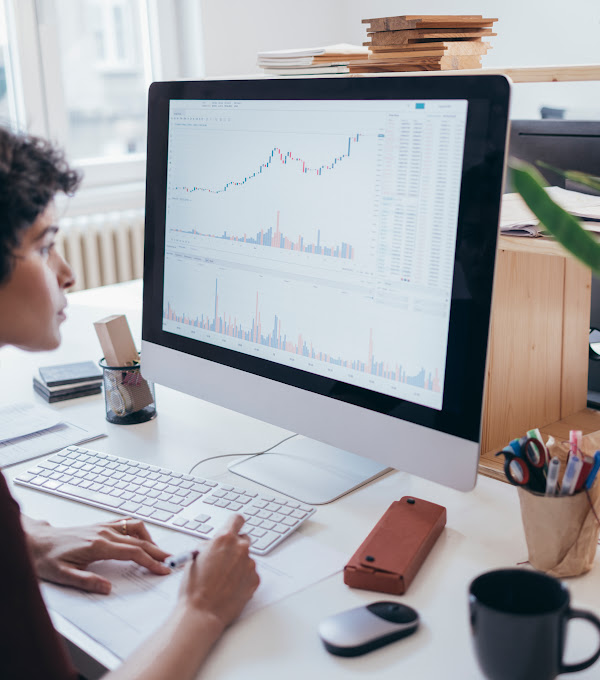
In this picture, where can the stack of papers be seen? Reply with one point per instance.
(312, 60)
(28, 431)
(517, 220)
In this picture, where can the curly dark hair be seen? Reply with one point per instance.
(32, 172)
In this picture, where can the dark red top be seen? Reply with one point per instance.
(30, 648)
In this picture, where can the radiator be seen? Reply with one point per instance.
(103, 248)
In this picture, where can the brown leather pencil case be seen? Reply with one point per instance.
(391, 555)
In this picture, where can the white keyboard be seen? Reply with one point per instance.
(186, 503)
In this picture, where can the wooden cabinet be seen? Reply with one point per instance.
(538, 353)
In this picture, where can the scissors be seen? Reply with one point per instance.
(526, 463)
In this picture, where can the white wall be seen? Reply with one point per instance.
(530, 32)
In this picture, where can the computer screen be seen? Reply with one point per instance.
(320, 254)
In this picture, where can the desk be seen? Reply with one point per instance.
(483, 531)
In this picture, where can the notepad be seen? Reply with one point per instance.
(28, 431)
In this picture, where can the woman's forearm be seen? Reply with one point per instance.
(176, 650)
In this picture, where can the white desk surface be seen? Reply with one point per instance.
(483, 530)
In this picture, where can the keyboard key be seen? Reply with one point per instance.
(130, 506)
(265, 541)
(179, 522)
(168, 507)
(202, 518)
(26, 477)
(161, 515)
(204, 529)
(145, 510)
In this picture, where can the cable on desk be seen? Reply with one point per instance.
(250, 455)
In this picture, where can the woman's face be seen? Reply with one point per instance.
(32, 300)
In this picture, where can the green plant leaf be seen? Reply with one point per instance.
(574, 175)
(563, 226)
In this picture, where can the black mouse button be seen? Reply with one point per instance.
(393, 612)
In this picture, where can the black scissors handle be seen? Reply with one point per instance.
(516, 469)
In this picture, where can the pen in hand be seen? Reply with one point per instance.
(182, 559)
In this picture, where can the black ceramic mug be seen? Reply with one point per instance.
(519, 620)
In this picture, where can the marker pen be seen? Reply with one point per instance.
(575, 441)
(183, 558)
(552, 480)
(571, 473)
(593, 472)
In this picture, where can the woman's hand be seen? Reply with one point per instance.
(222, 578)
(62, 555)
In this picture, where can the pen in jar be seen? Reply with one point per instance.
(180, 560)
(552, 480)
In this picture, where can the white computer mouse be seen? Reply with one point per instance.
(363, 629)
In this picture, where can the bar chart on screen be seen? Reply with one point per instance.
(312, 235)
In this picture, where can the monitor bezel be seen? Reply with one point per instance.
(481, 188)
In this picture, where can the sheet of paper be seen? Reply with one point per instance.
(22, 419)
(140, 602)
(516, 215)
(581, 205)
(46, 441)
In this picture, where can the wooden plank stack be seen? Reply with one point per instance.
(426, 43)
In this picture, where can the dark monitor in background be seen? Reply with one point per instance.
(565, 144)
(569, 145)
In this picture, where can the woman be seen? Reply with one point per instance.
(216, 585)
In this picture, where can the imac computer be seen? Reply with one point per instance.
(320, 255)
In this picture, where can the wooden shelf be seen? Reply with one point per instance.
(518, 74)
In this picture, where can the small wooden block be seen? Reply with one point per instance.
(407, 37)
(116, 341)
(423, 21)
(445, 49)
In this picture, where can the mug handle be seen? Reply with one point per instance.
(592, 618)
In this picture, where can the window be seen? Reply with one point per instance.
(8, 98)
(97, 47)
(85, 69)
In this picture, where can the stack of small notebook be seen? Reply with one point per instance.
(312, 60)
(67, 381)
(425, 43)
